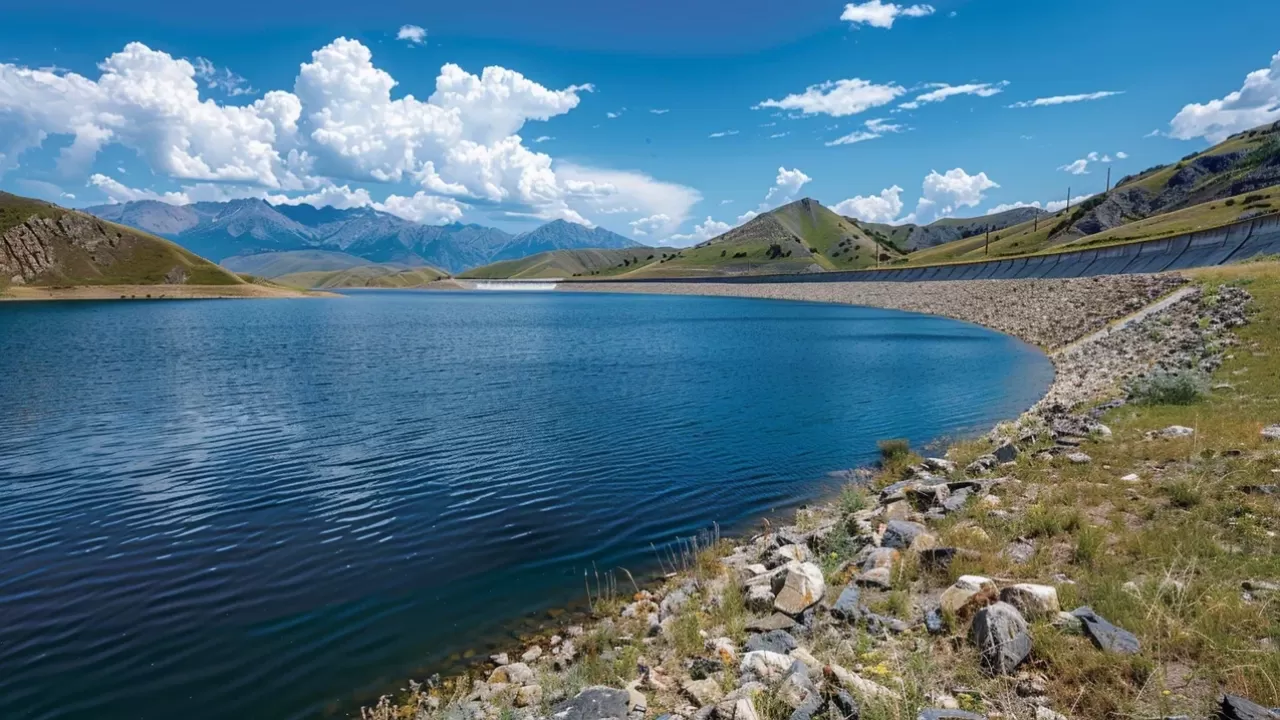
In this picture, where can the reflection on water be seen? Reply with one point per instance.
(270, 508)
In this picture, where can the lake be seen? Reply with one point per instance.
(278, 508)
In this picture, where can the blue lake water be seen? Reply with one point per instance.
(273, 508)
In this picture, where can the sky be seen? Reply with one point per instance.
(668, 122)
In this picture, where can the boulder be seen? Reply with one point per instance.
(843, 706)
(1000, 634)
(789, 554)
(879, 557)
(744, 709)
(860, 686)
(1232, 707)
(801, 588)
(594, 703)
(848, 606)
(529, 696)
(703, 692)
(776, 621)
(515, 673)
(969, 593)
(879, 578)
(1006, 452)
(1271, 433)
(1177, 431)
(900, 534)
(759, 598)
(531, 654)
(1078, 458)
(1033, 601)
(982, 465)
(769, 666)
(939, 465)
(1106, 636)
(779, 641)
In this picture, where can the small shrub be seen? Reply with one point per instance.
(1089, 541)
(852, 499)
(1183, 494)
(894, 450)
(1229, 202)
(1180, 387)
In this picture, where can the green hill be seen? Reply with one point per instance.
(910, 237)
(803, 236)
(42, 244)
(571, 263)
(365, 276)
(1213, 187)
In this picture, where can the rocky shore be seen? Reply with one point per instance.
(933, 588)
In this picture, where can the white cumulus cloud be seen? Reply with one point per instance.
(412, 34)
(1256, 102)
(945, 193)
(647, 225)
(339, 122)
(881, 208)
(838, 98)
(703, 231)
(881, 15)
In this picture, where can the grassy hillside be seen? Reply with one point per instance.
(911, 237)
(46, 245)
(1203, 189)
(276, 264)
(367, 276)
(571, 263)
(802, 236)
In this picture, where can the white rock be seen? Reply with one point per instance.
(1044, 713)
(802, 588)
(967, 594)
(1078, 458)
(528, 696)
(863, 688)
(745, 709)
(1131, 477)
(1032, 601)
(767, 665)
(531, 654)
(1271, 432)
(703, 692)
(500, 659)
(515, 673)
(1177, 431)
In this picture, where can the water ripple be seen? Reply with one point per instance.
(278, 508)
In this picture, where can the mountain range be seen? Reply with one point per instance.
(237, 228)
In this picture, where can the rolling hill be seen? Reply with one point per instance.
(1233, 179)
(803, 236)
(42, 244)
(910, 237)
(365, 276)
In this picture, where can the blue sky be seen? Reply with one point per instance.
(666, 121)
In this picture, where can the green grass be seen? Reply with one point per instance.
(368, 276)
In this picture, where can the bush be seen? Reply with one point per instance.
(894, 450)
(1180, 387)
(1230, 202)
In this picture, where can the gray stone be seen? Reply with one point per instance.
(1271, 432)
(594, 703)
(982, 465)
(956, 501)
(779, 641)
(1078, 458)
(702, 668)
(944, 714)
(877, 578)
(933, 622)
(1232, 707)
(844, 705)
(1007, 452)
(900, 533)
(940, 465)
(776, 621)
(1106, 636)
(760, 598)
(1177, 431)
(848, 606)
(1000, 633)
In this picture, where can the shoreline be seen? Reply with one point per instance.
(1089, 367)
(31, 293)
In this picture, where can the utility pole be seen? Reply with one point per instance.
(986, 249)
(1068, 208)
(1035, 221)
(1108, 178)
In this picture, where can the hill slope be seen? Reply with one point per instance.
(911, 237)
(803, 236)
(1195, 188)
(365, 276)
(43, 244)
(561, 235)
